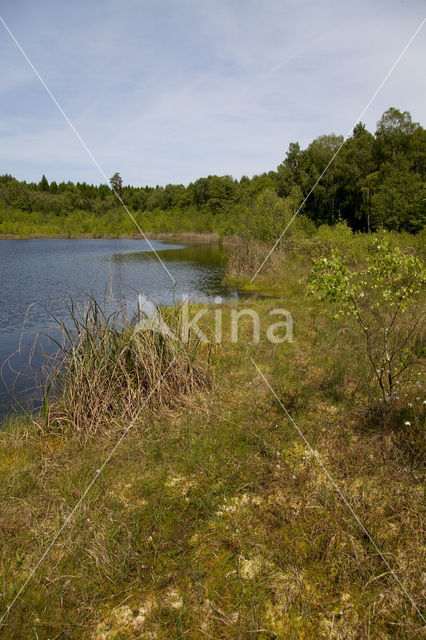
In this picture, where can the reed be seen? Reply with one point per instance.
(106, 369)
(247, 256)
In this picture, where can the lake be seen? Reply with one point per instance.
(38, 277)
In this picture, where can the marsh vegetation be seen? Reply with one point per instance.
(213, 518)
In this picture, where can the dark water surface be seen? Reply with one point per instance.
(38, 277)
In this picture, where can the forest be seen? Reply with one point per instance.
(376, 181)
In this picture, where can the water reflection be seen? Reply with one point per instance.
(39, 276)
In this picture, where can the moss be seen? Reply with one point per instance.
(213, 519)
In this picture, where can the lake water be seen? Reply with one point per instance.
(38, 277)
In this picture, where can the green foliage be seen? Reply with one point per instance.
(399, 200)
(43, 184)
(116, 183)
(380, 296)
(267, 216)
(374, 182)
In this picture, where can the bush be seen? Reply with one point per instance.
(381, 297)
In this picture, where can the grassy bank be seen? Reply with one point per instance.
(115, 222)
(213, 519)
(252, 266)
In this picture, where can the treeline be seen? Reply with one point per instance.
(375, 181)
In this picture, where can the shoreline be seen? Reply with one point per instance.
(188, 236)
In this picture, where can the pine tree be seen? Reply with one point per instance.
(44, 183)
(116, 183)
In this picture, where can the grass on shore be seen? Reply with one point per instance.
(213, 519)
(108, 367)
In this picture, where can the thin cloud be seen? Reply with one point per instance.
(168, 92)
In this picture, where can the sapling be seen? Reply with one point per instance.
(382, 297)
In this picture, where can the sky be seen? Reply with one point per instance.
(167, 91)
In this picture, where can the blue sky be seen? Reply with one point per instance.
(167, 91)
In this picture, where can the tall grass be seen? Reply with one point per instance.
(246, 256)
(107, 369)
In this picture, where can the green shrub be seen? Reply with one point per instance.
(381, 297)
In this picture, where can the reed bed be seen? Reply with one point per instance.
(107, 369)
(247, 256)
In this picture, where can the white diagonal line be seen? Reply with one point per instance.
(361, 115)
(84, 145)
(83, 495)
(345, 500)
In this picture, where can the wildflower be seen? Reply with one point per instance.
(407, 424)
(418, 383)
(410, 405)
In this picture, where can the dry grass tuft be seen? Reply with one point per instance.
(107, 369)
(246, 257)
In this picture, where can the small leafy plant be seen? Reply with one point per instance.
(382, 298)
